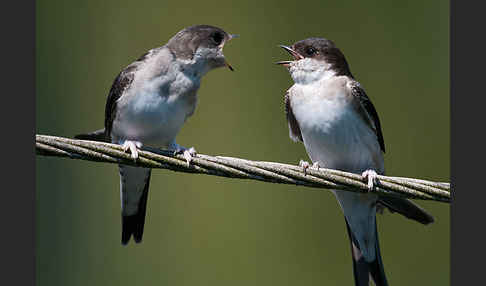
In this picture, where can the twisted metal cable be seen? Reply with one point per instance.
(242, 169)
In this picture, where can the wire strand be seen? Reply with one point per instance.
(238, 168)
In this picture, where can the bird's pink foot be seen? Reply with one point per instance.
(187, 153)
(305, 165)
(132, 146)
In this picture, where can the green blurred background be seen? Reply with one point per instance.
(204, 230)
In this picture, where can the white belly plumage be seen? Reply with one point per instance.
(152, 119)
(335, 136)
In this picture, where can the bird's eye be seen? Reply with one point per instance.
(310, 51)
(217, 38)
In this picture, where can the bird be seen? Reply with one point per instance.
(328, 110)
(148, 103)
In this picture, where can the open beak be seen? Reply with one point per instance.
(228, 65)
(231, 36)
(293, 53)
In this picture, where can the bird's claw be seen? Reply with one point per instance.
(187, 153)
(132, 146)
(305, 165)
(371, 177)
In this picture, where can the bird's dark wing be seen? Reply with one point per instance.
(403, 206)
(406, 208)
(294, 129)
(368, 111)
(98, 135)
(120, 84)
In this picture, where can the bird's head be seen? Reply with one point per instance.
(315, 58)
(202, 46)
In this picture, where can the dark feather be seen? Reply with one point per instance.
(325, 50)
(406, 208)
(362, 269)
(134, 224)
(369, 112)
(122, 81)
(294, 129)
(98, 135)
(120, 84)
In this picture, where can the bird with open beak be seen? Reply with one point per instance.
(149, 102)
(329, 112)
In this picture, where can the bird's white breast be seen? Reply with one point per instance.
(158, 107)
(334, 134)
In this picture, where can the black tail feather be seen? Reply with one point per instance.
(376, 268)
(133, 225)
(98, 135)
(363, 269)
(407, 208)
